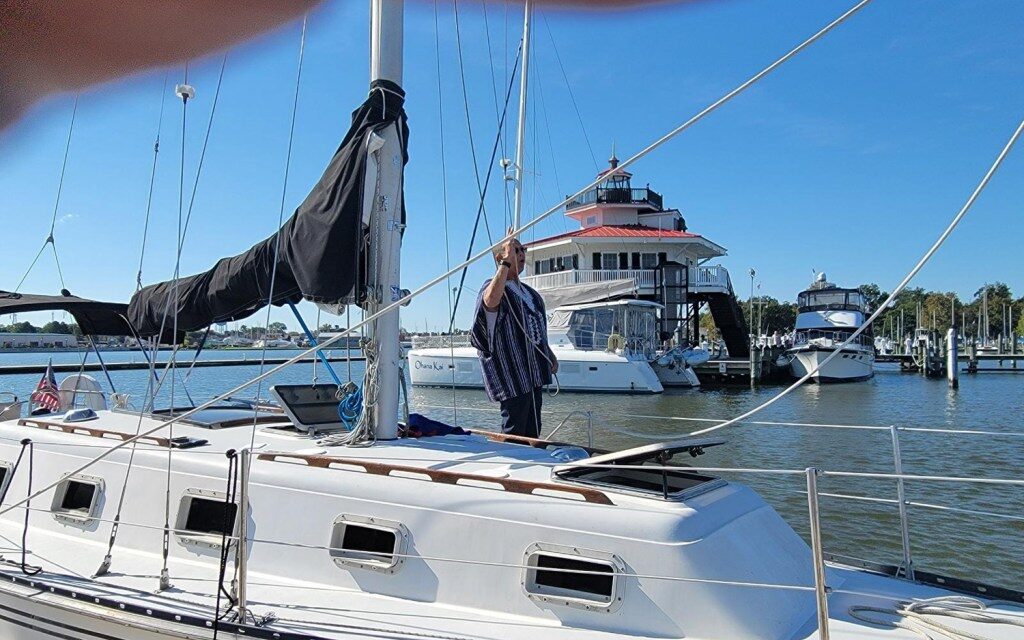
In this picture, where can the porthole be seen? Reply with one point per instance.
(573, 577)
(76, 499)
(204, 517)
(5, 476)
(368, 543)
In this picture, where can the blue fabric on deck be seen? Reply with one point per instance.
(421, 426)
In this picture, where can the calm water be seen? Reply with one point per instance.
(980, 547)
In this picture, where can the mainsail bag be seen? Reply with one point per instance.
(321, 257)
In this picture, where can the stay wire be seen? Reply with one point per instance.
(572, 96)
(152, 183)
(884, 306)
(480, 187)
(56, 205)
(490, 168)
(444, 185)
(280, 221)
(165, 581)
(487, 251)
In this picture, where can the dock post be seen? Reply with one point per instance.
(753, 355)
(952, 373)
(972, 357)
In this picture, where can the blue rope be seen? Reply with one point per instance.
(350, 407)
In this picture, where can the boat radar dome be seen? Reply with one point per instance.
(821, 277)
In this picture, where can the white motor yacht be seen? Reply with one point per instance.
(827, 316)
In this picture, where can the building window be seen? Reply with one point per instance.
(648, 260)
(635, 260)
(623, 260)
(609, 261)
(575, 261)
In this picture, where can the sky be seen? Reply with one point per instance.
(849, 159)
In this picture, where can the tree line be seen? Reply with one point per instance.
(50, 327)
(912, 307)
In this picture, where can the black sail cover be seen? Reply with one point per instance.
(322, 252)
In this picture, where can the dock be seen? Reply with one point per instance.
(736, 371)
(138, 366)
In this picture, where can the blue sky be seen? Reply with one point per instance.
(849, 159)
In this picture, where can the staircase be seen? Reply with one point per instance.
(729, 319)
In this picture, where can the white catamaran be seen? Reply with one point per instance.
(250, 520)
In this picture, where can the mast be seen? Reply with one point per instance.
(386, 33)
(521, 126)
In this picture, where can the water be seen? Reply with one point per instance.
(978, 547)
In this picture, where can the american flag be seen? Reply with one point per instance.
(46, 394)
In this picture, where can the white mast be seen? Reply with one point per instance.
(386, 33)
(521, 127)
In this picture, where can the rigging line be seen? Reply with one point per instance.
(572, 96)
(494, 94)
(152, 183)
(280, 219)
(883, 307)
(490, 167)
(56, 205)
(442, 277)
(60, 273)
(63, 167)
(480, 188)
(165, 580)
(206, 141)
(444, 185)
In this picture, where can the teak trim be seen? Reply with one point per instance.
(79, 429)
(445, 477)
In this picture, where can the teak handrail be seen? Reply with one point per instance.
(445, 477)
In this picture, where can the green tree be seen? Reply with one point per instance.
(873, 295)
(22, 327)
(277, 327)
(57, 327)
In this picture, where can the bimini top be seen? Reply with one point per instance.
(94, 318)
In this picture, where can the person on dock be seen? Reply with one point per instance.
(510, 336)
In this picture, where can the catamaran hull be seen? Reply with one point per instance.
(848, 366)
(578, 371)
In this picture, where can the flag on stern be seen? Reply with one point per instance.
(46, 394)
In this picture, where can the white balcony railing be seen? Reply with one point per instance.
(706, 279)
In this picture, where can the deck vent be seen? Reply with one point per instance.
(76, 499)
(204, 517)
(573, 577)
(368, 543)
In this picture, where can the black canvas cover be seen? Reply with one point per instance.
(93, 318)
(321, 251)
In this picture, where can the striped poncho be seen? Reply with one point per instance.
(513, 362)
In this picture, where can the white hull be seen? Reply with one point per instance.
(583, 371)
(849, 366)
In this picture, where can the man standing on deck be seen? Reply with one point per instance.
(511, 338)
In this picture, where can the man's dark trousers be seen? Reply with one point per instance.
(521, 415)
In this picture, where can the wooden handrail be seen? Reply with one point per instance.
(80, 429)
(445, 477)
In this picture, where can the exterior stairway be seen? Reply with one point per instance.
(728, 315)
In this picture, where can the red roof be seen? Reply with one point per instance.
(618, 231)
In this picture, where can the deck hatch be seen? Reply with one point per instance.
(573, 577)
(668, 484)
(76, 499)
(368, 543)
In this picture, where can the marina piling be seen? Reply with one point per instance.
(952, 373)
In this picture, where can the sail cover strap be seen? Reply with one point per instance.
(321, 256)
